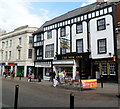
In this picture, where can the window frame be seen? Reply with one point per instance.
(49, 51)
(81, 25)
(100, 25)
(77, 46)
(62, 31)
(49, 34)
(98, 44)
(30, 53)
(62, 51)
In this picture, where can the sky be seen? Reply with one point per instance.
(34, 13)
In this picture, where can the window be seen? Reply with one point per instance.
(101, 24)
(10, 55)
(19, 54)
(3, 44)
(63, 32)
(79, 28)
(112, 69)
(10, 43)
(39, 52)
(29, 53)
(6, 54)
(40, 37)
(20, 41)
(6, 44)
(102, 46)
(63, 50)
(79, 46)
(49, 34)
(2, 55)
(104, 69)
(49, 51)
(30, 39)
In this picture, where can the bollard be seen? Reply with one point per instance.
(101, 81)
(16, 96)
(71, 100)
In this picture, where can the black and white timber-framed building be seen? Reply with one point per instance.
(81, 41)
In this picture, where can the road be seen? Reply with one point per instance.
(37, 95)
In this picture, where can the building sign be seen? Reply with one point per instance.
(89, 83)
(63, 62)
(64, 43)
(2, 63)
(12, 64)
(43, 64)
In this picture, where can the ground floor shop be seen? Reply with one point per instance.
(19, 69)
(107, 68)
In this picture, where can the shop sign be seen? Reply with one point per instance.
(2, 63)
(89, 83)
(71, 57)
(43, 64)
(63, 62)
(12, 64)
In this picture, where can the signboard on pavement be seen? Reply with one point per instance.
(89, 83)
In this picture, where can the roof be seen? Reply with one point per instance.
(73, 13)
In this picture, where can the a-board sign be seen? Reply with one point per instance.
(89, 83)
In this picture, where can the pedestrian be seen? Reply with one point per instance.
(55, 82)
(51, 77)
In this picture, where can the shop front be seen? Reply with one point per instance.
(78, 65)
(106, 69)
(43, 68)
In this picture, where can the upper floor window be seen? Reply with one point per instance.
(49, 34)
(79, 28)
(30, 39)
(10, 54)
(29, 53)
(49, 51)
(63, 50)
(39, 52)
(20, 41)
(10, 43)
(63, 32)
(102, 46)
(40, 37)
(19, 54)
(3, 44)
(6, 44)
(79, 46)
(101, 24)
(6, 55)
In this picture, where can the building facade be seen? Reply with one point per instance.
(16, 51)
(81, 42)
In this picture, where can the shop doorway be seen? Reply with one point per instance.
(40, 72)
(20, 69)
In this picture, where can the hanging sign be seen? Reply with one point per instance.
(64, 43)
(89, 83)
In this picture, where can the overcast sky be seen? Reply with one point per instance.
(15, 13)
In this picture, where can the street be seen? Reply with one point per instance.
(35, 94)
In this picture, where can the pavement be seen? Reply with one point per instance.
(107, 87)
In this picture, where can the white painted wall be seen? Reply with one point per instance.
(96, 35)
(79, 36)
(50, 41)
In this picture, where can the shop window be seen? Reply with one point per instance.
(104, 69)
(101, 24)
(47, 71)
(49, 51)
(79, 46)
(79, 28)
(112, 69)
(102, 46)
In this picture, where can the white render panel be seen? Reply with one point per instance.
(50, 41)
(79, 36)
(96, 35)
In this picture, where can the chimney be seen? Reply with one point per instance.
(100, 1)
